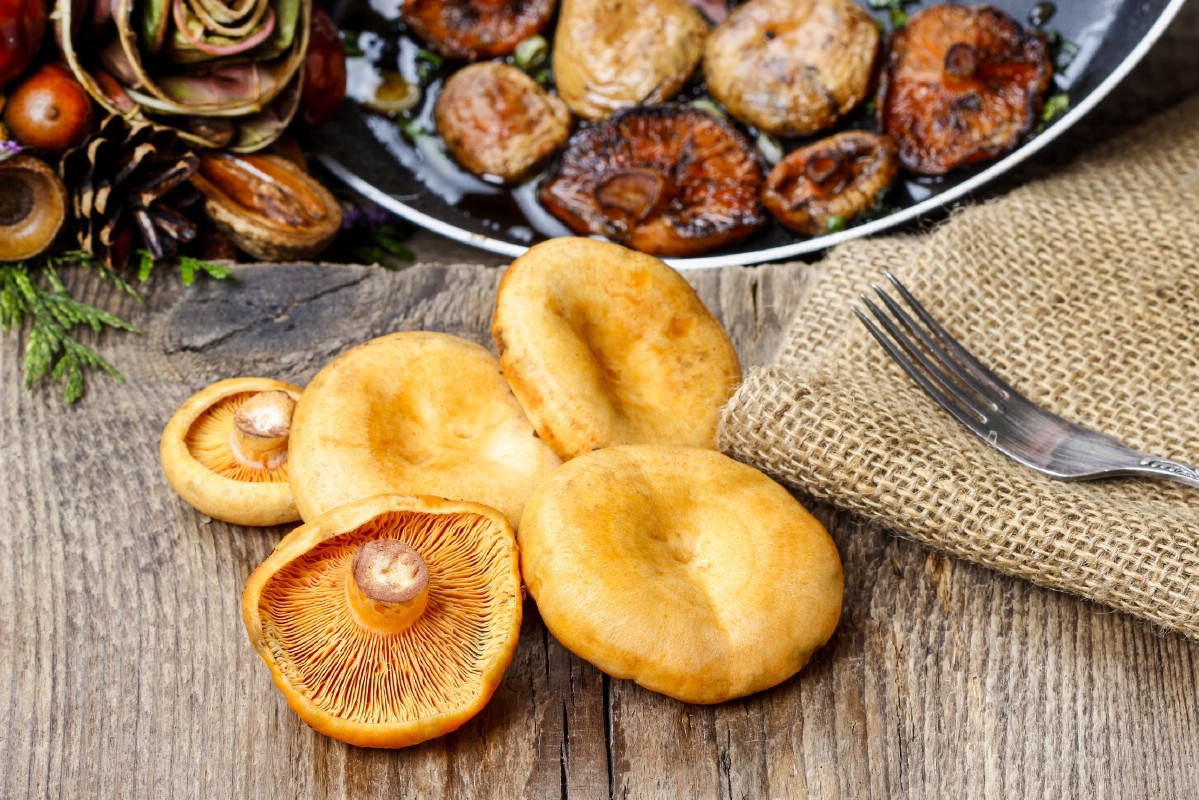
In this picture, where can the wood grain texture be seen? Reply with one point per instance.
(125, 671)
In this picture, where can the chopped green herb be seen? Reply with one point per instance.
(704, 104)
(349, 40)
(895, 9)
(1054, 107)
(427, 64)
(835, 224)
(531, 52)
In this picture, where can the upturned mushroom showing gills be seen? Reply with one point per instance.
(792, 67)
(497, 122)
(669, 180)
(962, 84)
(475, 29)
(390, 620)
(692, 574)
(614, 54)
(33, 206)
(418, 413)
(603, 346)
(816, 188)
(225, 451)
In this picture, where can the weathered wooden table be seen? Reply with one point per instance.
(125, 671)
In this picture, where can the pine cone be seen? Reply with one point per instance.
(129, 188)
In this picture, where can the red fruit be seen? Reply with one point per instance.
(324, 71)
(22, 23)
(49, 110)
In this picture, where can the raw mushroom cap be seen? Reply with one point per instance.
(389, 689)
(604, 345)
(418, 413)
(692, 574)
(200, 463)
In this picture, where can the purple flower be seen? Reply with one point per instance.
(8, 149)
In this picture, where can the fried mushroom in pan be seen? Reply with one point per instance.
(792, 67)
(604, 346)
(963, 84)
(497, 122)
(669, 180)
(615, 54)
(471, 30)
(815, 187)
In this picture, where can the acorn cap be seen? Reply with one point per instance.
(692, 574)
(33, 205)
(604, 345)
(225, 451)
(375, 667)
(418, 413)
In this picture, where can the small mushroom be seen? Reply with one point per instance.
(963, 84)
(686, 571)
(604, 345)
(792, 67)
(471, 30)
(225, 451)
(390, 620)
(269, 206)
(669, 180)
(832, 180)
(33, 205)
(497, 122)
(418, 413)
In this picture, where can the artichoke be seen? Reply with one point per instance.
(223, 73)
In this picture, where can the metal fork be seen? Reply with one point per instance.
(994, 411)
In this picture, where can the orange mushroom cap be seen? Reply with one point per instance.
(604, 345)
(375, 668)
(415, 413)
(225, 451)
(682, 569)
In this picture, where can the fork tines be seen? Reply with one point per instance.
(935, 360)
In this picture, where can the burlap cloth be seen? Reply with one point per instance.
(1083, 291)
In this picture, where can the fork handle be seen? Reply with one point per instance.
(1170, 470)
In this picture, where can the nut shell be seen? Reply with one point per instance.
(33, 205)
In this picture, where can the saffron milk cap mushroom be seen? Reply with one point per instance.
(417, 413)
(679, 568)
(604, 345)
(225, 451)
(390, 620)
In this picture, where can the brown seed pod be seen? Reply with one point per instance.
(496, 121)
(475, 29)
(835, 178)
(270, 207)
(792, 67)
(668, 180)
(963, 84)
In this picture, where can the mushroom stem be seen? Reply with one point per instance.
(260, 430)
(961, 62)
(389, 588)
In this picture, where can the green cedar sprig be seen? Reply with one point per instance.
(34, 297)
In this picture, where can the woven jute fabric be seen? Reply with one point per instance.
(1081, 290)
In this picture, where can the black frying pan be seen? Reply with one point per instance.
(369, 154)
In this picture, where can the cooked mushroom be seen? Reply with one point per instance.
(390, 620)
(833, 180)
(679, 568)
(33, 205)
(792, 67)
(614, 54)
(496, 121)
(962, 84)
(669, 180)
(269, 206)
(603, 346)
(475, 29)
(225, 451)
(418, 413)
